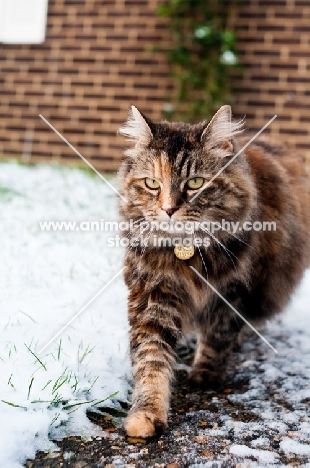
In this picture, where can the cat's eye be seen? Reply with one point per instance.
(152, 183)
(195, 183)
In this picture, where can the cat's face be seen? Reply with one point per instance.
(171, 163)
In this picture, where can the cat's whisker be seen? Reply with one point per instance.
(231, 233)
(227, 251)
(136, 229)
(205, 267)
(143, 219)
(135, 222)
(133, 231)
(146, 245)
(131, 245)
(129, 249)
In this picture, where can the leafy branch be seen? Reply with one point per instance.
(202, 56)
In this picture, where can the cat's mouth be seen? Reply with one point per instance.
(171, 227)
(169, 239)
(168, 234)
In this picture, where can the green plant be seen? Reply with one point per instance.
(202, 55)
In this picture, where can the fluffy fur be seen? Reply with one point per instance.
(256, 271)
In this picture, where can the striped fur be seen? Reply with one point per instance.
(255, 271)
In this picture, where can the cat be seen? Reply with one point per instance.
(166, 165)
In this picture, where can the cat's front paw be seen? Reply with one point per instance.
(143, 424)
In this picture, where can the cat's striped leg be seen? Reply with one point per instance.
(215, 343)
(154, 333)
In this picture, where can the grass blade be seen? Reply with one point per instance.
(107, 398)
(29, 388)
(13, 404)
(39, 360)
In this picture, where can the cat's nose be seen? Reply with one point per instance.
(170, 211)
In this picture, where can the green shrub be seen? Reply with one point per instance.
(202, 56)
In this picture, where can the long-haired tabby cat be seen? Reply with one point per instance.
(256, 271)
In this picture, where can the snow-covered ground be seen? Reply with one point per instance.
(47, 277)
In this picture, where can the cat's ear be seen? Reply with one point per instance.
(220, 130)
(136, 128)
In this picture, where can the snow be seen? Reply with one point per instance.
(47, 277)
(292, 446)
(244, 451)
(260, 442)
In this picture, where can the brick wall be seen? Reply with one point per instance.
(96, 61)
(274, 41)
